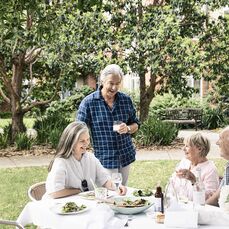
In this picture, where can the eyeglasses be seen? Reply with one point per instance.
(84, 185)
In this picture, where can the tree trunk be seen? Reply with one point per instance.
(146, 95)
(144, 109)
(17, 125)
(15, 97)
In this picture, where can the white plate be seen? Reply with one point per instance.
(57, 208)
(130, 210)
(90, 195)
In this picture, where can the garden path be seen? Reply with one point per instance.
(162, 153)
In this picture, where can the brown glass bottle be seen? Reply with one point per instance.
(159, 200)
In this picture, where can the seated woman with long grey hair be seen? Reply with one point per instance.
(74, 169)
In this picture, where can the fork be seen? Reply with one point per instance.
(130, 217)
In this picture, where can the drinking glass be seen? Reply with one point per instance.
(101, 193)
(183, 192)
(117, 179)
(116, 125)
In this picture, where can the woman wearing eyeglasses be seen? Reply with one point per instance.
(73, 167)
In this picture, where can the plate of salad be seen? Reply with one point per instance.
(68, 208)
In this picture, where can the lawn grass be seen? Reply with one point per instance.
(16, 181)
(29, 122)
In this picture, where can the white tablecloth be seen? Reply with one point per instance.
(100, 216)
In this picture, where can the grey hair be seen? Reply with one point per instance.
(112, 69)
(199, 141)
(68, 139)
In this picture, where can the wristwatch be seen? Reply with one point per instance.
(128, 128)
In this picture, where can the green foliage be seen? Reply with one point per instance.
(54, 137)
(49, 128)
(167, 100)
(213, 118)
(22, 142)
(154, 131)
(3, 140)
(6, 135)
(158, 37)
(5, 115)
(69, 104)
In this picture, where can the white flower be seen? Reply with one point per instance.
(1, 131)
(31, 133)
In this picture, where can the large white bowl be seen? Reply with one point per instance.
(130, 210)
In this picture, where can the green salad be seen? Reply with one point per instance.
(143, 192)
(72, 207)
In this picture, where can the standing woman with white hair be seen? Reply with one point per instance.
(99, 110)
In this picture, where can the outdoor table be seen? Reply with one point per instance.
(98, 216)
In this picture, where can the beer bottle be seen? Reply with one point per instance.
(159, 200)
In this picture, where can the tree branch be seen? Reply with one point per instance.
(3, 75)
(32, 54)
(15, 45)
(31, 81)
(38, 103)
(4, 96)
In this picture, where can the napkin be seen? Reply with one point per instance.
(210, 215)
(180, 217)
(103, 218)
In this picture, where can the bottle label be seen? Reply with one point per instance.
(199, 197)
(157, 205)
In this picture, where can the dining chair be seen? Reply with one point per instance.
(36, 191)
(11, 223)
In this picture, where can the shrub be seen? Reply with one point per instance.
(46, 124)
(54, 137)
(154, 131)
(6, 136)
(68, 105)
(3, 140)
(5, 115)
(213, 118)
(22, 141)
(162, 102)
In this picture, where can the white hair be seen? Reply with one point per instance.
(225, 131)
(112, 69)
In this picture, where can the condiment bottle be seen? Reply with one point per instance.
(159, 200)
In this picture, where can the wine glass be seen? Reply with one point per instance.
(117, 179)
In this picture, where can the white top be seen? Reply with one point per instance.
(69, 173)
(209, 177)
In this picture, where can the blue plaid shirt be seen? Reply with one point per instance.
(112, 149)
(225, 180)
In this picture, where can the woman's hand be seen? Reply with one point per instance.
(187, 174)
(122, 190)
